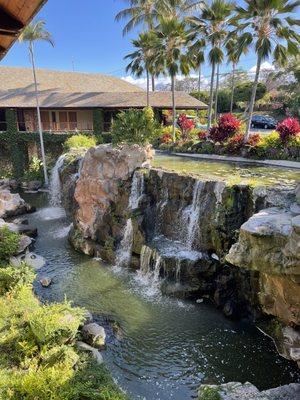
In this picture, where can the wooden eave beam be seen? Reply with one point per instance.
(9, 25)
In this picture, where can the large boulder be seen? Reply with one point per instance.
(247, 391)
(12, 204)
(101, 195)
(103, 170)
(269, 242)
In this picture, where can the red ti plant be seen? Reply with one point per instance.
(186, 125)
(287, 128)
(228, 125)
(166, 138)
(254, 139)
(202, 135)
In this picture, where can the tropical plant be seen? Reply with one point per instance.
(31, 34)
(268, 25)
(148, 12)
(142, 59)
(233, 57)
(288, 128)
(172, 41)
(186, 125)
(213, 24)
(34, 170)
(228, 125)
(135, 126)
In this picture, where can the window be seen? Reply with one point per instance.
(2, 119)
(21, 120)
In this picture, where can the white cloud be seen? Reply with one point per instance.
(266, 66)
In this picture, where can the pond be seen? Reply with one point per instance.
(158, 348)
(231, 172)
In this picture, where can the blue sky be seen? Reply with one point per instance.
(85, 33)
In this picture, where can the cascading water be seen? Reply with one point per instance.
(124, 250)
(137, 189)
(191, 215)
(55, 184)
(150, 267)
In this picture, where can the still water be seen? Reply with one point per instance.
(233, 173)
(158, 348)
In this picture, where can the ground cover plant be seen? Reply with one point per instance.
(38, 356)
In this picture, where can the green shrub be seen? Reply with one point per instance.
(12, 277)
(63, 355)
(56, 323)
(80, 141)
(135, 127)
(210, 393)
(9, 243)
(34, 171)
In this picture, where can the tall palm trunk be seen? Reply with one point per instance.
(153, 83)
(38, 114)
(199, 86)
(148, 88)
(173, 107)
(253, 96)
(217, 91)
(211, 96)
(232, 87)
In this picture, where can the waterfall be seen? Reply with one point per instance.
(124, 250)
(151, 264)
(55, 184)
(137, 189)
(191, 214)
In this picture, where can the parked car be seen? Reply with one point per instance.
(263, 121)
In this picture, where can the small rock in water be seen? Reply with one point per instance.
(215, 257)
(45, 281)
(34, 185)
(94, 334)
(20, 221)
(32, 259)
(199, 301)
(88, 317)
(96, 353)
(25, 242)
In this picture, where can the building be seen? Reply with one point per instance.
(14, 16)
(73, 101)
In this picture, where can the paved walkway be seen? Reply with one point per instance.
(276, 163)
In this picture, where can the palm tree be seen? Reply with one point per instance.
(32, 33)
(142, 59)
(196, 55)
(148, 12)
(269, 27)
(213, 24)
(233, 58)
(172, 37)
(217, 92)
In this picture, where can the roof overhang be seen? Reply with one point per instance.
(14, 16)
(106, 100)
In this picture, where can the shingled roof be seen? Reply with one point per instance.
(59, 89)
(14, 16)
